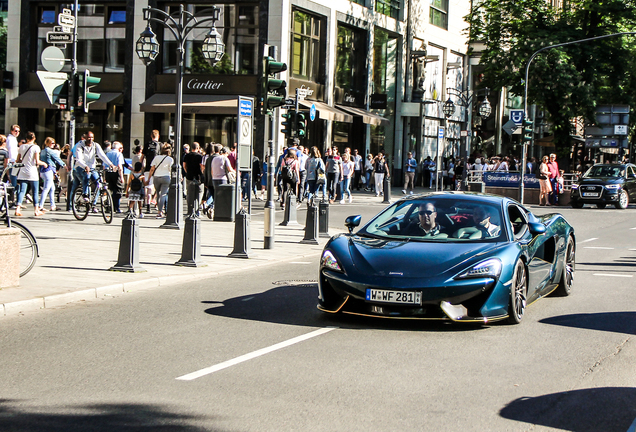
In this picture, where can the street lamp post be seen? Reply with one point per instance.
(465, 99)
(181, 25)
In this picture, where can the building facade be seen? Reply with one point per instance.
(351, 59)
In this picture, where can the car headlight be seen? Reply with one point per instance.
(330, 261)
(613, 186)
(489, 268)
(574, 186)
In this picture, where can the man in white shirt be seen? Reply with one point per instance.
(86, 160)
(12, 149)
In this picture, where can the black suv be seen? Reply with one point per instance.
(605, 184)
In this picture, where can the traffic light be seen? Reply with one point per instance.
(89, 82)
(274, 90)
(288, 123)
(528, 130)
(301, 125)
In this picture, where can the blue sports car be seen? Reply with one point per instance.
(459, 256)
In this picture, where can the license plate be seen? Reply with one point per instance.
(396, 297)
(590, 194)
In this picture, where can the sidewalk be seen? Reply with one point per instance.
(75, 256)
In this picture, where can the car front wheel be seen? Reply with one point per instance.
(623, 200)
(518, 294)
(577, 204)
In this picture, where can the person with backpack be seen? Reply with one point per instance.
(290, 175)
(135, 189)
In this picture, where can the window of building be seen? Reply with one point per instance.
(385, 54)
(306, 46)
(388, 7)
(350, 59)
(238, 26)
(101, 36)
(438, 13)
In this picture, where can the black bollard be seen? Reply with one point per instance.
(242, 245)
(128, 259)
(311, 226)
(386, 184)
(290, 217)
(323, 219)
(191, 249)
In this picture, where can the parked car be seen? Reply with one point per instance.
(605, 184)
(486, 259)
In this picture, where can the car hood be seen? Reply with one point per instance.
(389, 258)
(600, 180)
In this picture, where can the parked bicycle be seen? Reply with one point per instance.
(28, 244)
(100, 200)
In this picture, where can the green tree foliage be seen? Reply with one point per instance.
(200, 64)
(569, 81)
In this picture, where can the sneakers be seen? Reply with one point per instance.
(350, 199)
(342, 201)
(141, 215)
(411, 193)
(404, 192)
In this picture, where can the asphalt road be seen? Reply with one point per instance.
(250, 352)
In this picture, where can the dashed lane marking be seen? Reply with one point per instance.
(597, 247)
(588, 240)
(300, 262)
(254, 354)
(612, 275)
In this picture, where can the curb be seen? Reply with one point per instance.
(19, 307)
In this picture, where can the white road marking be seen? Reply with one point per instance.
(597, 247)
(254, 354)
(612, 275)
(588, 240)
(300, 262)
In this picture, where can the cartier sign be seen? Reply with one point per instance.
(210, 84)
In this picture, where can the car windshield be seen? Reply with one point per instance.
(605, 171)
(437, 219)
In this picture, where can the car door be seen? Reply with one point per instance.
(540, 260)
(630, 182)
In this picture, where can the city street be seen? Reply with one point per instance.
(249, 351)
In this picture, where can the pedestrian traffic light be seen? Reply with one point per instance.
(528, 130)
(274, 89)
(288, 123)
(301, 124)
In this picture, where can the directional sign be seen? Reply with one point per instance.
(53, 83)
(66, 20)
(510, 127)
(517, 116)
(59, 38)
(440, 133)
(312, 112)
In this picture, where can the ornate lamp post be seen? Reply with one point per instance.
(181, 24)
(465, 99)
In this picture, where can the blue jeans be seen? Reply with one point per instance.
(49, 187)
(86, 177)
(35, 190)
(345, 187)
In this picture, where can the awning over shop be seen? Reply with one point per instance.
(39, 100)
(367, 116)
(32, 99)
(327, 112)
(192, 104)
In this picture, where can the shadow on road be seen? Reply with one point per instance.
(295, 304)
(594, 409)
(617, 322)
(96, 418)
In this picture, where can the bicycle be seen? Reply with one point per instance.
(98, 191)
(29, 251)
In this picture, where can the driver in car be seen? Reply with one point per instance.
(481, 217)
(426, 225)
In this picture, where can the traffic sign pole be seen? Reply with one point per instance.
(72, 95)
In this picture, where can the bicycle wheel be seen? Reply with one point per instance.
(80, 208)
(28, 248)
(106, 202)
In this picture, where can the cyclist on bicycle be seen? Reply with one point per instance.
(86, 159)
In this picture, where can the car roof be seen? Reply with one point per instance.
(470, 196)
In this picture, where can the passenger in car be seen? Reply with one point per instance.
(481, 217)
(426, 224)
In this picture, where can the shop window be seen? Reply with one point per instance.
(306, 46)
(238, 27)
(438, 13)
(388, 7)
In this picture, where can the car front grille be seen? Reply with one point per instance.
(592, 188)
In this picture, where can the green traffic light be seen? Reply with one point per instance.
(301, 124)
(273, 67)
(89, 82)
(274, 90)
(288, 124)
(528, 130)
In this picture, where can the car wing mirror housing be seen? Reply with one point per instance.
(352, 221)
(536, 228)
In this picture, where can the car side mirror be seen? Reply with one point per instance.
(352, 221)
(536, 228)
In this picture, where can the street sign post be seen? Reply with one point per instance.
(66, 20)
(54, 84)
(312, 112)
(59, 38)
(510, 127)
(517, 116)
